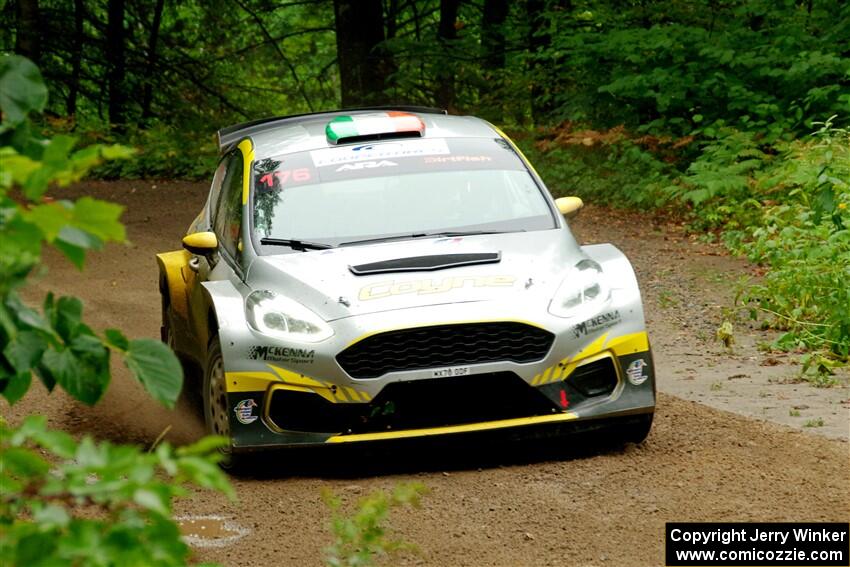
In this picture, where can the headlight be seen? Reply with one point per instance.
(281, 317)
(583, 288)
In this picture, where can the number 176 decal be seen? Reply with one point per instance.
(284, 176)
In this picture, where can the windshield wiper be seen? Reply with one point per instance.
(301, 245)
(422, 235)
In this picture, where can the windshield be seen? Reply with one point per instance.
(411, 188)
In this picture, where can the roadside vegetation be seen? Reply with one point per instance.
(733, 116)
(67, 501)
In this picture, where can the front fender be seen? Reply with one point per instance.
(619, 273)
(226, 316)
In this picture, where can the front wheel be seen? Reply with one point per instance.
(638, 431)
(214, 393)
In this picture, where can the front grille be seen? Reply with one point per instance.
(415, 404)
(444, 345)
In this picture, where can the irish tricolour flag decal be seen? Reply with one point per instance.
(372, 124)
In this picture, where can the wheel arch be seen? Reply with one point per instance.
(225, 313)
(172, 286)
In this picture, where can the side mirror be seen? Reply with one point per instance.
(201, 243)
(569, 206)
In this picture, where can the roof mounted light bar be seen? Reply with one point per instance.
(374, 126)
(231, 134)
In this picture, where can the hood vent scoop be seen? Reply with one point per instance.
(425, 263)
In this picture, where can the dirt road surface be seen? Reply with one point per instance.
(735, 436)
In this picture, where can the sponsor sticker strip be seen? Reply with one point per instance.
(378, 152)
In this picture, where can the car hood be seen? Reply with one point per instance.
(529, 263)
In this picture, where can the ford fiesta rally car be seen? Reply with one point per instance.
(367, 275)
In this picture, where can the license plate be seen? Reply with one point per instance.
(449, 372)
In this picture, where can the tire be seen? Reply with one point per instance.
(165, 329)
(639, 431)
(214, 396)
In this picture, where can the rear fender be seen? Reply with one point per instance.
(173, 288)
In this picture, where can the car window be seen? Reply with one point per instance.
(228, 213)
(347, 193)
(215, 188)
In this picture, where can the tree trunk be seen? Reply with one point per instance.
(537, 42)
(492, 57)
(362, 60)
(115, 72)
(493, 34)
(76, 60)
(446, 33)
(27, 41)
(147, 95)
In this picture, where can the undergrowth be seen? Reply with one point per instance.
(785, 205)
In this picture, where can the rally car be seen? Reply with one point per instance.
(375, 274)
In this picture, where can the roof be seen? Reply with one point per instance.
(277, 136)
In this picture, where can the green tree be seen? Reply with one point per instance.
(64, 501)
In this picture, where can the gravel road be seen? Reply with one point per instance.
(730, 441)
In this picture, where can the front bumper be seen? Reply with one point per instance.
(284, 395)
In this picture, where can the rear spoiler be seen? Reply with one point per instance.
(230, 135)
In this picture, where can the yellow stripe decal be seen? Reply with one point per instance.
(259, 382)
(629, 344)
(483, 426)
(620, 346)
(247, 149)
(516, 149)
(249, 381)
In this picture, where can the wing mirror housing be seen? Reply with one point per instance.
(201, 243)
(569, 206)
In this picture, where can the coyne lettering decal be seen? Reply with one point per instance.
(429, 286)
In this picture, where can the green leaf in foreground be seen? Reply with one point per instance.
(22, 90)
(156, 367)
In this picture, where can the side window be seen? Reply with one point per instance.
(215, 188)
(228, 211)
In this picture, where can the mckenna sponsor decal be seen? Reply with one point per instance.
(245, 412)
(597, 323)
(281, 354)
(635, 372)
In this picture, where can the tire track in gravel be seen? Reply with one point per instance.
(577, 503)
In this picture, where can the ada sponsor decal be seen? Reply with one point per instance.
(245, 411)
(281, 354)
(635, 372)
(377, 152)
(597, 323)
(365, 165)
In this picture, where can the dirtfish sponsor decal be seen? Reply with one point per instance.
(245, 411)
(598, 323)
(429, 286)
(281, 354)
(635, 372)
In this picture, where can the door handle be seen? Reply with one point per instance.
(195, 263)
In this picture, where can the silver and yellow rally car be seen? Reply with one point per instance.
(375, 274)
